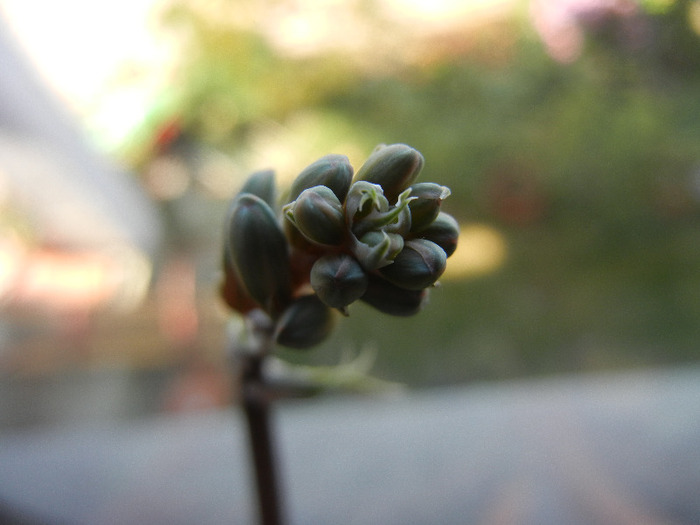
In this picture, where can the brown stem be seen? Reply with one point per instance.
(256, 405)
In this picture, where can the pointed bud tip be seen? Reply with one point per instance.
(417, 266)
(393, 167)
(318, 214)
(338, 280)
(333, 171)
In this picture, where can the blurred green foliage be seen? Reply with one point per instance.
(589, 170)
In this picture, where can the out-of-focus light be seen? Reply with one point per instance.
(11, 257)
(166, 177)
(289, 148)
(57, 281)
(219, 176)
(481, 250)
(659, 6)
(694, 16)
(309, 29)
(431, 13)
(558, 22)
(105, 60)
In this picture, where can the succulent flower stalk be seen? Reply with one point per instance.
(378, 237)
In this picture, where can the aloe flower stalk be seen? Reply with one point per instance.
(337, 235)
(376, 237)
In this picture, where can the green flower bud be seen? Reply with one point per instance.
(262, 184)
(377, 249)
(333, 171)
(318, 214)
(417, 266)
(231, 288)
(305, 323)
(395, 219)
(259, 253)
(425, 206)
(390, 299)
(393, 167)
(363, 199)
(338, 280)
(443, 231)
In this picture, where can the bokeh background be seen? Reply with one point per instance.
(568, 131)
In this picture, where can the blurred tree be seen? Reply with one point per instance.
(588, 168)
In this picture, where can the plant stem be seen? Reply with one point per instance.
(256, 404)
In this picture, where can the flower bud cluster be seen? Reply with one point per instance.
(375, 236)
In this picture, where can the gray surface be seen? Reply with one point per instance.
(616, 449)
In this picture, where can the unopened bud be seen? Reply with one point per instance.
(393, 167)
(390, 299)
(377, 249)
(318, 214)
(417, 266)
(338, 280)
(262, 184)
(443, 231)
(259, 253)
(425, 206)
(305, 323)
(333, 171)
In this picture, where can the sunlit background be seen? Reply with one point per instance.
(568, 131)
